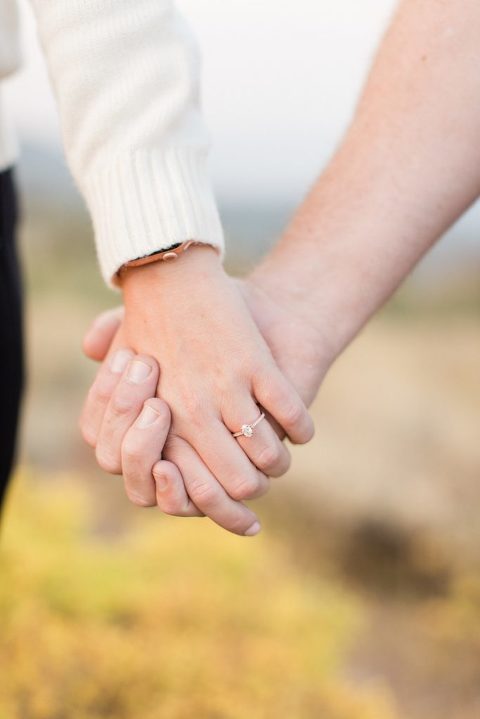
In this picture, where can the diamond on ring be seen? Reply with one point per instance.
(247, 429)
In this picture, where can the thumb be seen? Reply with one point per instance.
(99, 336)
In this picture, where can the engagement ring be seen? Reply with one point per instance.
(247, 429)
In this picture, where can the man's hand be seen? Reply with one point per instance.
(128, 425)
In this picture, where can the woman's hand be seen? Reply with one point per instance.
(215, 369)
(297, 347)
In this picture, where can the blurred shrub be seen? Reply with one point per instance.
(171, 619)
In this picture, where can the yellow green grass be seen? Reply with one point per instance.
(169, 619)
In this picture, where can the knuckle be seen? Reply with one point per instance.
(305, 431)
(173, 446)
(133, 465)
(131, 452)
(293, 415)
(191, 404)
(281, 467)
(245, 488)
(194, 409)
(196, 418)
(120, 406)
(99, 394)
(269, 458)
(202, 493)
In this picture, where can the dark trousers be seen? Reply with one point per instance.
(11, 334)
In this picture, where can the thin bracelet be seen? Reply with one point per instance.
(170, 253)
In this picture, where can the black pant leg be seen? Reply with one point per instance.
(11, 330)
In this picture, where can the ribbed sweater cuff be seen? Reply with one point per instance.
(147, 201)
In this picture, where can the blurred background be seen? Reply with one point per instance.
(361, 597)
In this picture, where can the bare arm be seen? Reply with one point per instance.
(407, 168)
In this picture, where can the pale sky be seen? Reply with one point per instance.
(280, 78)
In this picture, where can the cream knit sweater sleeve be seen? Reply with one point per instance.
(126, 77)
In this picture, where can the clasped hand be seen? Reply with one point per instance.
(183, 367)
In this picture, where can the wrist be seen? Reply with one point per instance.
(199, 264)
(348, 247)
(291, 290)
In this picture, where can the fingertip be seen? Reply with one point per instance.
(100, 333)
(312, 429)
(164, 473)
(147, 359)
(139, 500)
(288, 409)
(91, 347)
(309, 432)
(118, 362)
(172, 498)
(106, 461)
(253, 530)
(305, 435)
(160, 406)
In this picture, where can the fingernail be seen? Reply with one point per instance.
(119, 361)
(161, 482)
(138, 371)
(253, 530)
(148, 417)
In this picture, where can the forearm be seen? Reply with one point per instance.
(407, 168)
